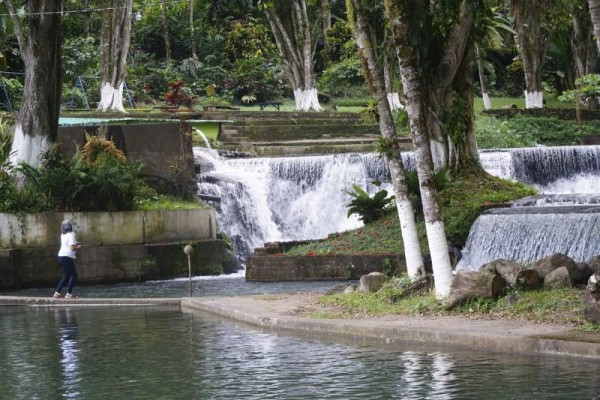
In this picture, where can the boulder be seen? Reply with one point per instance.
(558, 279)
(231, 262)
(593, 286)
(594, 264)
(468, 285)
(585, 271)
(548, 264)
(372, 282)
(350, 289)
(514, 275)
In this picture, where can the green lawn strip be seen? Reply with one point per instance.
(562, 307)
(163, 202)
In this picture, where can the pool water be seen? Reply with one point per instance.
(162, 353)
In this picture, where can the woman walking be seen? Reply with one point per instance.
(66, 259)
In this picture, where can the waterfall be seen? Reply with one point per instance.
(285, 198)
(303, 198)
(527, 234)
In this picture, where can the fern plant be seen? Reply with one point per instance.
(368, 208)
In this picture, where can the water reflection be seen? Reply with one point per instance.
(151, 353)
(67, 342)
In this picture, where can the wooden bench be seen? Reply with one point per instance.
(264, 104)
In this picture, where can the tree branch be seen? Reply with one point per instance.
(18, 29)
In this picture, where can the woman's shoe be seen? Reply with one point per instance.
(70, 296)
(57, 295)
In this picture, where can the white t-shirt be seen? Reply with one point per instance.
(66, 240)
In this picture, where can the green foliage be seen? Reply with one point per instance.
(441, 180)
(254, 76)
(343, 79)
(248, 40)
(5, 142)
(366, 207)
(523, 131)
(340, 43)
(369, 114)
(14, 87)
(589, 89)
(73, 184)
(79, 57)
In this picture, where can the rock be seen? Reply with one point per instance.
(339, 288)
(593, 286)
(548, 264)
(468, 285)
(372, 282)
(514, 275)
(512, 298)
(558, 279)
(231, 263)
(350, 289)
(585, 271)
(594, 264)
(591, 311)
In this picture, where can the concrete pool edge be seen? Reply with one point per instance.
(286, 312)
(283, 313)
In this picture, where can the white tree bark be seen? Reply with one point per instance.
(307, 100)
(394, 101)
(440, 257)
(28, 148)
(114, 46)
(487, 103)
(111, 98)
(534, 99)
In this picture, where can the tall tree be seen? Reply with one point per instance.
(364, 32)
(415, 28)
(192, 31)
(443, 45)
(296, 44)
(165, 25)
(532, 42)
(38, 33)
(114, 47)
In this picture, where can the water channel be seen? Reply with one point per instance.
(159, 353)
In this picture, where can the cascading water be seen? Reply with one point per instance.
(303, 198)
(285, 198)
(546, 224)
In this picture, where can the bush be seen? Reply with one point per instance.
(343, 79)
(79, 183)
(254, 77)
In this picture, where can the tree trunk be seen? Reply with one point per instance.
(404, 27)
(526, 16)
(192, 33)
(295, 44)
(487, 104)
(114, 46)
(469, 285)
(165, 24)
(595, 13)
(393, 97)
(40, 46)
(412, 249)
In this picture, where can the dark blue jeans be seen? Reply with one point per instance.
(68, 265)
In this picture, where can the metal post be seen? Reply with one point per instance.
(188, 250)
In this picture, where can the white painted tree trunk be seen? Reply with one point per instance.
(28, 148)
(394, 101)
(415, 267)
(440, 258)
(111, 99)
(307, 100)
(534, 99)
(487, 103)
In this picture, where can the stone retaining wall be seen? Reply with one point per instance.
(307, 268)
(38, 267)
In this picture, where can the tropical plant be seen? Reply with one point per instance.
(5, 143)
(368, 208)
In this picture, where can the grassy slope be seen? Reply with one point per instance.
(461, 201)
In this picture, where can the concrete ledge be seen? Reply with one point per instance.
(49, 301)
(306, 268)
(283, 312)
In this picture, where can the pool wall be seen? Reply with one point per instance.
(164, 148)
(117, 246)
